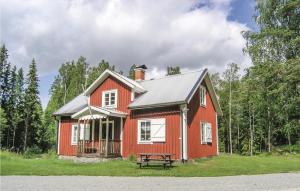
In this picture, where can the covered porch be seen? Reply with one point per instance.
(99, 132)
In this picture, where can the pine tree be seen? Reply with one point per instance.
(3, 125)
(19, 111)
(11, 110)
(4, 91)
(33, 110)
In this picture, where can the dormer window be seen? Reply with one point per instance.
(110, 98)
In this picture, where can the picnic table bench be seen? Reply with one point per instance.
(160, 158)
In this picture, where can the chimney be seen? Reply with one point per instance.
(139, 73)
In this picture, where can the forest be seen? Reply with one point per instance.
(261, 104)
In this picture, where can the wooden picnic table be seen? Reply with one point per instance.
(163, 158)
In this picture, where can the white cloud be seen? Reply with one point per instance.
(155, 33)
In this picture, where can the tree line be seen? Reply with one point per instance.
(262, 107)
(21, 114)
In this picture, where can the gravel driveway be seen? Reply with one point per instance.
(286, 181)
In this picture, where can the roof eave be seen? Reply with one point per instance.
(156, 105)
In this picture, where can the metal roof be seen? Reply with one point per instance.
(169, 90)
(73, 106)
(173, 89)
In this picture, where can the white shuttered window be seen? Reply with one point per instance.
(205, 133)
(152, 130)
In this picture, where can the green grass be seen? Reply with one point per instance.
(224, 165)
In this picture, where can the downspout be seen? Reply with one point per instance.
(184, 136)
(180, 138)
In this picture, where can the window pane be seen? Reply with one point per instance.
(148, 131)
(75, 134)
(143, 131)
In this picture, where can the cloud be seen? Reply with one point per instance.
(190, 34)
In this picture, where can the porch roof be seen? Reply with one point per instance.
(94, 112)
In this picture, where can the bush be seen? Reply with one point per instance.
(33, 152)
(132, 157)
(51, 154)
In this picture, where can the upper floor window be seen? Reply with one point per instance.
(202, 96)
(110, 98)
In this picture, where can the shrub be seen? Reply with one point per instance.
(132, 157)
(51, 154)
(32, 152)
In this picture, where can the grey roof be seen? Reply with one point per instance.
(73, 106)
(174, 89)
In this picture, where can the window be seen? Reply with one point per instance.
(151, 130)
(202, 96)
(205, 133)
(74, 134)
(109, 98)
(85, 131)
(145, 131)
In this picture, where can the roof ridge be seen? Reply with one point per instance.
(174, 75)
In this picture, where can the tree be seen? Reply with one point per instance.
(131, 73)
(173, 70)
(229, 87)
(34, 131)
(4, 91)
(274, 50)
(11, 107)
(3, 125)
(18, 115)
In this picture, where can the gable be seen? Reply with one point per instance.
(130, 83)
(111, 83)
(211, 91)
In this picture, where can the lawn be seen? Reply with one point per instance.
(224, 165)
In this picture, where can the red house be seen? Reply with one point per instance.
(117, 116)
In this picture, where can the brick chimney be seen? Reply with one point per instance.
(139, 73)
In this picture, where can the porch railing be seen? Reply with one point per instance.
(99, 148)
(113, 147)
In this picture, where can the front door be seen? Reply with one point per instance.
(110, 130)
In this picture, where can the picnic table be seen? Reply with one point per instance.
(155, 158)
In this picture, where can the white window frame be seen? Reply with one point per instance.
(139, 132)
(204, 139)
(202, 96)
(74, 132)
(116, 98)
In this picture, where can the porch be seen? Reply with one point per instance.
(99, 132)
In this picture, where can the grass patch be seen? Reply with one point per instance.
(224, 165)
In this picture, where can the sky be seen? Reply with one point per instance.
(192, 34)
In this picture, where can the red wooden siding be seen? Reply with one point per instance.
(172, 144)
(124, 93)
(196, 114)
(65, 147)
